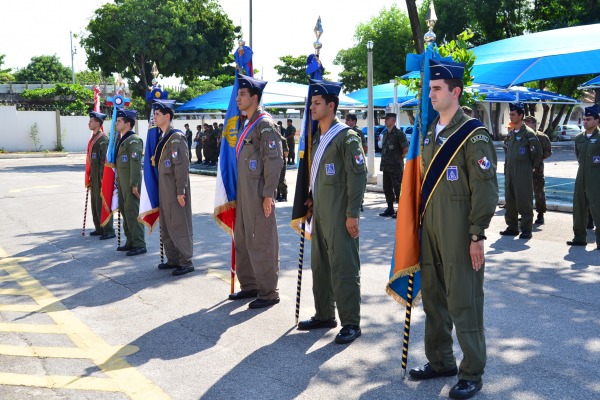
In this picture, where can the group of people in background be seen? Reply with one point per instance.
(206, 143)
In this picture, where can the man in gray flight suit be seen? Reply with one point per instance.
(259, 162)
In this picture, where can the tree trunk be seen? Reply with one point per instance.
(568, 114)
(556, 120)
(411, 116)
(546, 109)
(413, 16)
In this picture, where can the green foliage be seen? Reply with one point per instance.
(293, 69)
(69, 99)
(201, 86)
(44, 69)
(186, 38)
(34, 134)
(89, 77)
(553, 14)
(392, 39)
(5, 75)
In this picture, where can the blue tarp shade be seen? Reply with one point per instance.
(276, 94)
(383, 95)
(591, 84)
(543, 55)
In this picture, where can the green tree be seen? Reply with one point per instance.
(391, 34)
(88, 77)
(69, 99)
(186, 38)
(293, 69)
(46, 69)
(554, 14)
(5, 75)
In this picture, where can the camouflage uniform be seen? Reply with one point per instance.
(538, 176)
(282, 189)
(392, 163)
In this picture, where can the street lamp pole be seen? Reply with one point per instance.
(250, 36)
(372, 175)
(73, 52)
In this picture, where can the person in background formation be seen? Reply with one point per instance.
(198, 142)
(338, 179)
(175, 204)
(394, 147)
(523, 155)
(587, 183)
(96, 155)
(457, 211)
(213, 144)
(205, 146)
(189, 138)
(219, 138)
(538, 173)
(282, 189)
(129, 172)
(259, 162)
(290, 136)
(351, 122)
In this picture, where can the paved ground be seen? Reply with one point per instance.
(80, 321)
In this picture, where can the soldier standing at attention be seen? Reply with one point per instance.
(129, 172)
(96, 156)
(259, 162)
(189, 136)
(173, 191)
(338, 179)
(198, 141)
(538, 173)
(393, 150)
(459, 155)
(587, 182)
(523, 155)
(290, 136)
(282, 188)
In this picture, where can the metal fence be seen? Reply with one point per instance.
(20, 87)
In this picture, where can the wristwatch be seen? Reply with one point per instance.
(477, 238)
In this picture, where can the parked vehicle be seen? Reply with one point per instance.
(378, 130)
(408, 130)
(565, 132)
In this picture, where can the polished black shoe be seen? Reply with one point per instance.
(124, 248)
(182, 270)
(95, 233)
(540, 219)
(136, 251)
(314, 323)
(576, 243)
(107, 236)
(387, 213)
(167, 266)
(243, 294)
(394, 216)
(509, 232)
(465, 389)
(590, 226)
(525, 235)
(426, 372)
(262, 303)
(348, 334)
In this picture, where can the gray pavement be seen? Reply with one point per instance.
(151, 335)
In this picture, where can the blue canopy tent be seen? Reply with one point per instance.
(591, 84)
(276, 95)
(383, 95)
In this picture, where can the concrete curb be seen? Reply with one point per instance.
(39, 154)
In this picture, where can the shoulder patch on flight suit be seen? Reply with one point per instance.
(352, 139)
(134, 154)
(174, 154)
(478, 138)
(484, 163)
(134, 141)
(272, 144)
(359, 159)
(266, 129)
(175, 141)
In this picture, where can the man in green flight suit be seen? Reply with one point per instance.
(587, 183)
(539, 180)
(129, 172)
(523, 155)
(96, 156)
(460, 193)
(338, 179)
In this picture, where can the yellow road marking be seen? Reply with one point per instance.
(121, 376)
(35, 187)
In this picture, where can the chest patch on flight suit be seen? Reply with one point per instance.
(174, 154)
(478, 138)
(522, 150)
(596, 159)
(518, 138)
(484, 163)
(94, 155)
(329, 169)
(426, 142)
(168, 163)
(441, 140)
(452, 173)
(134, 154)
(272, 144)
(252, 165)
(124, 158)
(360, 160)
(593, 141)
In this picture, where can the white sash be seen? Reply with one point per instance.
(323, 143)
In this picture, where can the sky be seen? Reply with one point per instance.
(279, 27)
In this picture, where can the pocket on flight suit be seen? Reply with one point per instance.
(254, 165)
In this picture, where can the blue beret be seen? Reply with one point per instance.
(446, 70)
(127, 113)
(317, 87)
(98, 115)
(518, 106)
(246, 82)
(592, 111)
(163, 104)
